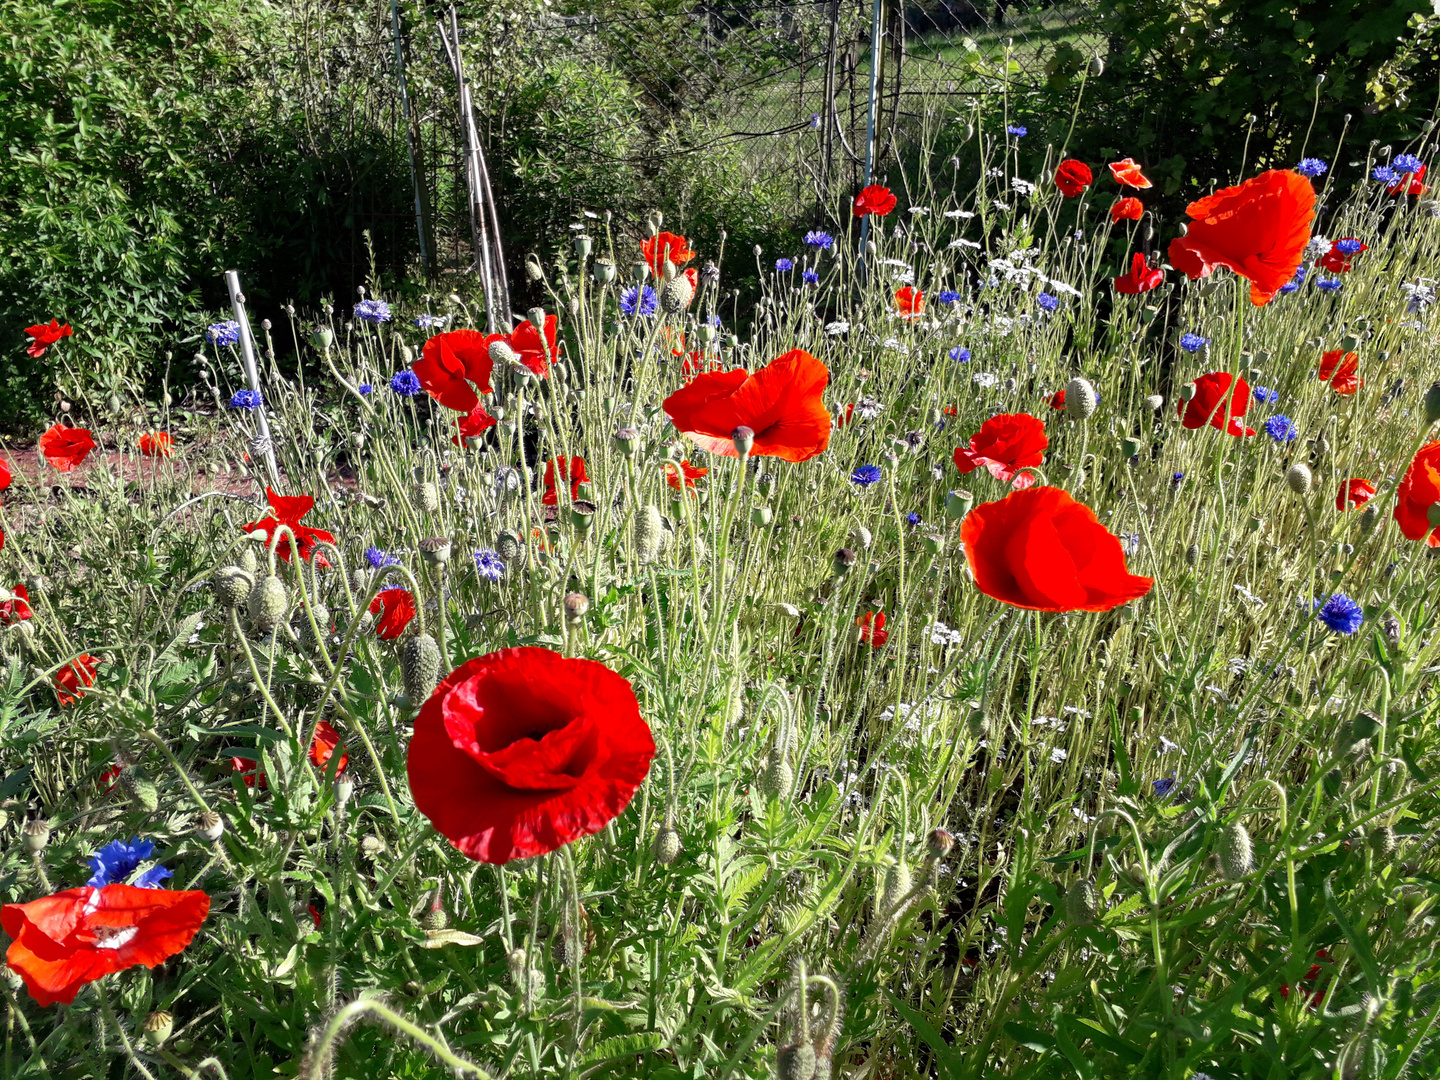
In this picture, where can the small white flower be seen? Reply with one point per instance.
(1168, 747)
(1022, 187)
(961, 215)
(835, 329)
(1317, 247)
(962, 243)
(984, 379)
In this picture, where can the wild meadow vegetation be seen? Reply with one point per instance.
(1009, 656)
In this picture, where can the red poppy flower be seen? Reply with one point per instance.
(288, 510)
(69, 939)
(16, 608)
(1005, 444)
(1336, 261)
(250, 771)
(782, 403)
(1418, 491)
(1405, 184)
(1208, 405)
(449, 363)
(1353, 494)
(1057, 399)
(157, 444)
(1141, 278)
(692, 473)
(474, 425)
(314, 914)
(1127, 209)
(845, 417)
(574, 471)
(66, 447)
(1040, 549)
(522, 751)
(42, 336)
(1259, 230)
(1342, 375)
(1127, 173)
(875, 199)
(4, 475)
(1073, 177)
(393, 608)
(657, 249)
(109, 778)
(536, 353)
(79, 672)
(322, 747)
(909, 301)
(872, 628)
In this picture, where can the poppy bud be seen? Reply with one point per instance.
(1237, 854)
(1383, 843)
(419, 668)
(676, 294)
(372, 847)
(897, 885)
(958, 503)
(210, 826)
(667, 845)
(744, 439)
(1369, 518)
(1298, 478)
(844, 560)
(940, 843)
(1192, 554)
(778, 779)
(1155, 402)
(648, 533)
(1432, 404)
(268, 603)
(1322, 445)
(576, 605)
(322, 623)
(435, 550)
(796, 1061)
(36, 834)
(158, 1026)
(139, 787)
(1097, 66)
(425, 498)
(1432, 513)
(533, 270)
(761, 516)
(1082, 902)
(231, 586)
(1364, 725)
(765, 483)
(860, 537)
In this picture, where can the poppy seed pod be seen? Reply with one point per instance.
(1079, 399)
(958, 503)
(321, 338)
(36, 834)
(844, 561)
(507, 544)
(667, 846)
(1298, 478)
(419, 668)
(1131, 447)
(268, 603)
(940, 843)
(157, 1027)
(209, 826)
(232, 586)
(934, 543)
(744, 440)
(640, 271)
(536, 316)
(1188, 391)
(765, 484)
(425, 498)
(627, 441)
(435, 550)
(1237, 854)
(603, 270)
(676, 294)
(1082, 902)
(762, 516)
(649, 530)
(577, 604)
(582, 515)
(582, 247)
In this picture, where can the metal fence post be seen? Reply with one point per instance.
(260, 444)
(409, 134)
(870, 124)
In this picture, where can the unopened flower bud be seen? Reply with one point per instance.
(1364, 725)
(425, 498)
(667, 845)
(1237, 854)
(1383, 843)
(765, 484)
(1155, 402)
(1432, 513)
(1079, 399)
(1082, 902)
(1298, 478)
(502, 354)
(1192, 554)
(860, 538)
(1432, 404)
(796, 1061)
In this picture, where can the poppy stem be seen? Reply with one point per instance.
(344, 1021)
(114, 1022)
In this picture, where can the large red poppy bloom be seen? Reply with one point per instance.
(1418, 491)
(1004, 445)
(1040, 549)
(42, 336)
(16, 609)
(1336, 261)
(69, 679)
(665, 246)
(288, 510)
(1127, 173)
(909, 301)
(1259, 230)
(573, 470)
(872, 629)
(1141, 278)
(875, 199)
(1405, 184)
(1073, 177)
(65, 941)
(473, 425)
(1353, 494)
(537, 351)
(393, 609)
(522, 751)
(782, 403)
(691, 473)
(1342, 375)
(66, 447)
(323, 746)
(157, 444)
(1127, 209)
(4, 475)
(1208, 406)
(450, 363)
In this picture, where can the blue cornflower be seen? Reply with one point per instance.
(1016, 130)
(116, 861)
(1177, 480)
(405, 383)
(1348, 246)
(638, 301)
(784, 266)
(1266, 396)
(947, 296)
(810, 277)
(1282, 429)
(1385, 174)
(865, 475)
(377, 558)
(1328, 284)
(246, 399)
(960, 354)
(1295, 282)
(1193, 342)
(1405, 163)
(1163, 786)
(372, 311)
(429, 322)
(714, 321)
(1048, 302)
(223, 333)
(1311, 166)
(365, 389)
(817, 239)
(815, 121)
(489, 565)
(913, 518)
(1341, 614)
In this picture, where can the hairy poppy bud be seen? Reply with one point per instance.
(249, 561)
(231, 585)
(1082, 902)
(268, 603)
(1383, 843)
(1432, 404)
(958, 503)
(1298, 478)
(649, 530)
(778, 779)
(425, 498)
(210, 826)
(1432, 514)
(435, 550)
(372, 847)
(507, 544)
(322, 623)
(676, 294)
(1079, 399)
(139, 787)
(860, 537)
(1369, 518)
(844, 560)
(157, 1027)
(37, 835)
(533, 270)
(796, 1061)
(667, 845)
(627, 441)
(1237, 854)
(419, 668)
(744, 439)
(1364, 725)
(897, 886)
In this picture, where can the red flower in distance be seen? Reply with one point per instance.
(69, 679)
(1127, 209)
(322, 747)
(691, 473)
(157, 444)
(1342, 375)
(1073, 177)
(875, 199)
(872, 628)
(473, 425)
(66, 447)
(1057, 399)
(1127, 173)
(1353, 494)
(782, 403)
(288, 510)
(42, 336)
(657, 249)
(1208, 405)
(1406, 184)
(1336, 261)
(1040, 549)
(16, 607)
(1418, 491)
(522, 751)
(394, 608)
(1141, 278)
(574, 471)
(249, 770)
(450, 363)
(1259, 230)
(1004, 445)
(909, 301)
(4, 475)
(65, 941)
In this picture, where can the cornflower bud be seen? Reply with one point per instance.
(940, 843)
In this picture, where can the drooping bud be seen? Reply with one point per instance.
(1237, 854)
(139, 787)
(1097, 66)
(1369, 518)
(507, 544)
(778, 779)
(249, 561)
(268, 603)
(796, 1061)
(502, 354)
(322, 623)
(36, 834)
(1383, 843)
(1079, 399)
(1364, 725)
(1192, 554)
(209, 826)
(231, 586)
(744, 439)
(1298, 478)
(435, 550)
(1432, 404)
(425, 498)
(676, 294)
(157, 1027)
(897, 886)
(649, 531)
(419, 668)
(860, 538)
(1082, 902)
